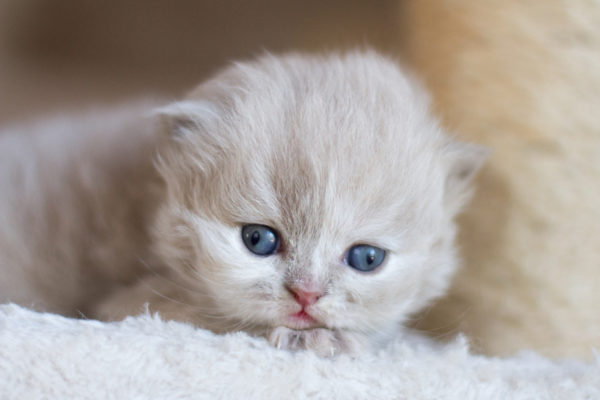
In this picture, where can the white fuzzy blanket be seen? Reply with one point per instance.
(48, 356)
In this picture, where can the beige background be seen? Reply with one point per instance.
(521, 77)
(57, 53)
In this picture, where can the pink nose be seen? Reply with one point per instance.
(304, 297)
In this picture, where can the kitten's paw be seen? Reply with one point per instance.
(324, 342)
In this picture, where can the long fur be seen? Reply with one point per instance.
(120, 210)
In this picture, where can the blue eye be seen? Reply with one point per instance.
(260, 239)
(364, 257)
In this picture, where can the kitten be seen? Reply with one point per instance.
(309, 199)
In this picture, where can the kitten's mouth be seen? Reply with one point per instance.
(302, 320)
(304, 316)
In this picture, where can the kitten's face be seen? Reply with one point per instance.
(328, 154)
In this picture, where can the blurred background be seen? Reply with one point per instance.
(520, 77)
(60, 53)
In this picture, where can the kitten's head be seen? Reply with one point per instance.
(312, 191)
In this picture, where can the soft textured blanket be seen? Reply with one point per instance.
(49, 356)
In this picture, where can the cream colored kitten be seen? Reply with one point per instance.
(307, 199)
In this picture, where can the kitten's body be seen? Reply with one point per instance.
(77, 196)
(331, 152)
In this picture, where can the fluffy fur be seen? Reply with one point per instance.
(331, 151)
(48, 356)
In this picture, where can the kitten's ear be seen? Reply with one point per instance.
(193, 126)
(463, 162)
(183, 118)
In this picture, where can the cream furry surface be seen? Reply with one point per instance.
(524, 79)
(49, 356)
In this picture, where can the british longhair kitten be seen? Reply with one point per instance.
(308, 199)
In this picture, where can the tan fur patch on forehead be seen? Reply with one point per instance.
(300, 192)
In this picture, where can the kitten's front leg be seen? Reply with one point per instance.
(324, 342)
